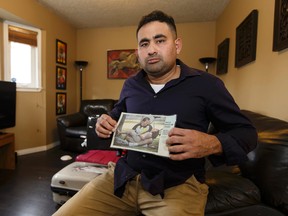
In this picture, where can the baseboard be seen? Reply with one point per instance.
(37, 149)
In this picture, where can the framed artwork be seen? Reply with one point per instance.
(222, 57)
(280, 36)
(122, 64)
(246, 40)
(61, 101)
(61, 77)
(61, 52)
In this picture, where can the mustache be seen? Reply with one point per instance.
(152, 58)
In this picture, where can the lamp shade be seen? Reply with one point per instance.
(81, 63)
(208, 60)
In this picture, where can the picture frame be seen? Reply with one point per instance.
(246, 40)
(61, 102)
(280, 33)
(122, 64)
(223, 57)
(61, 77)
(61, 52)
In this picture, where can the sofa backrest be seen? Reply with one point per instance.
(96, 106)
(268, 163)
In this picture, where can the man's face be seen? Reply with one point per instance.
(145, 122)
(157, 48)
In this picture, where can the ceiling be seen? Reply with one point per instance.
(115, 13)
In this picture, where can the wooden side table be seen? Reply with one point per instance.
(7, 151)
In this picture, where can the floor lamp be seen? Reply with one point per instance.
(81, 65)
(206, 61)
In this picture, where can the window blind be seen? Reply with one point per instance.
(20, 35)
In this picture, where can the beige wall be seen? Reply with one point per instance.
(36, 116)
(92, 45)
(261, 85)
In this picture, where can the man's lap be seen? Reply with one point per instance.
(97, 198)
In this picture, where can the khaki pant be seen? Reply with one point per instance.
(96, 198)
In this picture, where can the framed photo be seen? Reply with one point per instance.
(61, 101)
(61, 52)
(222, 57)
(61, 77)
(246, 40)
(122, 64)
(280, 36)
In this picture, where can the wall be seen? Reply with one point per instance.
(261, 85)
(258, 86)
(36, 115)
(92, 45)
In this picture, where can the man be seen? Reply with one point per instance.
(140, 134)
(132, 138)
(176, 185)
(144, 126)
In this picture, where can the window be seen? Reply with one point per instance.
(22, 48)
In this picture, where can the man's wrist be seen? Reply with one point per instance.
(215, 145)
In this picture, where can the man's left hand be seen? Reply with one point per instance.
(186, 143)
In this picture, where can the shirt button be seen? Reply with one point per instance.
(144, 156)
(155, 96)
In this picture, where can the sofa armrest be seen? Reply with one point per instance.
(71, 120)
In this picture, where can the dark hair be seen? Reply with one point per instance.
(145, 119)
(157, 16)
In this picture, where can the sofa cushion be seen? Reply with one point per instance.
(229, 191)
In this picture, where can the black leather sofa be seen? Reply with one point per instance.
(260, 185)
(72, 128)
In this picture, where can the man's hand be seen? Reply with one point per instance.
(105, 125)
(185, 143)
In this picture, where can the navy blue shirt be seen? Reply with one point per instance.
(197, 98)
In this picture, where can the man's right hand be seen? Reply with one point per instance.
(105, 126)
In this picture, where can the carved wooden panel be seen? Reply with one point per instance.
(280, 39)
(246, 40)
(222, 57)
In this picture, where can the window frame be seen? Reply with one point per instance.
(36, 82)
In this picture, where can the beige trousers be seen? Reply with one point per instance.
(96, 198)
